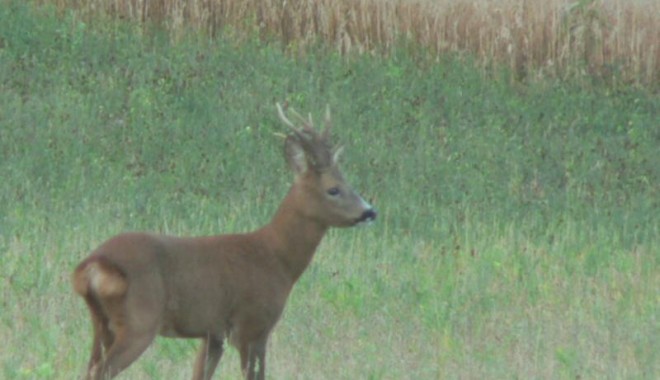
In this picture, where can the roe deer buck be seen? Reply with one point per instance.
(139, 285)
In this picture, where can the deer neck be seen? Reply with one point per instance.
(294, 236)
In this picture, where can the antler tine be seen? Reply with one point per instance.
(286, 121)
(307, 123)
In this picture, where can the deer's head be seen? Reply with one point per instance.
(326, 196)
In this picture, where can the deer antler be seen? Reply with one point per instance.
(307, 123)
(307, 132)
(316, 145)
(283, 117)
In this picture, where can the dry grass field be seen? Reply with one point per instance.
(617, 40)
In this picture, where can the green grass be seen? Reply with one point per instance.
(518, 229)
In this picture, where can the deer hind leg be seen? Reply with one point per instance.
(124, 343)
(253, 358)
(208, 357)
(127, 347)
(129, 329)
(103, 337)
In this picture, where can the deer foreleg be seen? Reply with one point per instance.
(208, 357)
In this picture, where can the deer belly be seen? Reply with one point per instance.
(197, 323)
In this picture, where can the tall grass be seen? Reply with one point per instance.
(518, 234)
(617, 40)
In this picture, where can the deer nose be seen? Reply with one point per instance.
(368, 216)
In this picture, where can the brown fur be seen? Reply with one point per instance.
(139, 285)
(100, 278)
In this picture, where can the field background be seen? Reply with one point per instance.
(518, 233)
(606, 40)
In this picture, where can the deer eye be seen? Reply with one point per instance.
(334, 191)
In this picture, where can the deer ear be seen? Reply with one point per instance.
(295, 155)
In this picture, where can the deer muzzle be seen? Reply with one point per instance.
(367, 217)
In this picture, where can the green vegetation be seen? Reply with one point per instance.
(518, 230)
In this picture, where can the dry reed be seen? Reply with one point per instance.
(606, 38)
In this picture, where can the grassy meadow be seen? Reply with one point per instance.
(518, 231)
